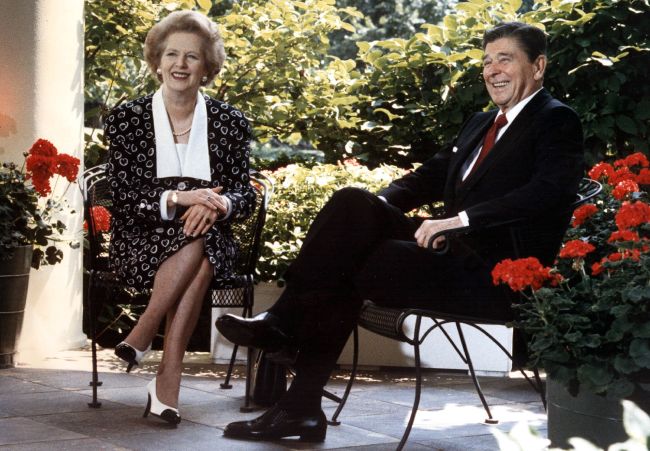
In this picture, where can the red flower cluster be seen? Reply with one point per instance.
(582, 213)
(44, 161)
(625, 187)
(636, 159)
(633, 254)
(644, 177)
(632, 215)
(102, 218)
(576, 249)
(523, 273)
(624, 235)
(43, 148)
(621, 171)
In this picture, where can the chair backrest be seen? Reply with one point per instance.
(249, 232)
(96, 193)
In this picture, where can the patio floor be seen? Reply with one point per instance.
(44, 407)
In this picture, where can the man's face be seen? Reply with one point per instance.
(508, 73)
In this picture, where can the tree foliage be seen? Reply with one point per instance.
(402, 98)
(423, 88)
(385, 19)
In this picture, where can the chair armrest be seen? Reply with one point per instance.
(451, 233)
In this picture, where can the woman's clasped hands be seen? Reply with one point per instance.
(205, 206)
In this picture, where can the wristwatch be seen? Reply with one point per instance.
(174, 197)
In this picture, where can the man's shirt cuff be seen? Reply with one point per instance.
(464, 218)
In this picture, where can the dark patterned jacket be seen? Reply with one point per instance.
(140, 239)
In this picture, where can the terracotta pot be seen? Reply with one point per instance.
(14, 280)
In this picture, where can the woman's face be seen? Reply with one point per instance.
(182, 63)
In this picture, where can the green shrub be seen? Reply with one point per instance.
(299, 194)
(421, 89)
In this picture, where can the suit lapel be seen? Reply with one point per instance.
(501, 148)
(467, 143)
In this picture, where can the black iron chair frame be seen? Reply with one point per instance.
(389, 322)
(236, 291)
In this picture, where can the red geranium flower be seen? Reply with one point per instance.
(644, 177)
(601, 170)
(102, 218)
(620, 175)
(523, 273)
(67, 166)
(40, 169)
(576, 249)
(582, 213)
(615, 257)
(632, 215)
(624, 235)
(43, 148)
(624, 188)
(597, 267)
(635, 159)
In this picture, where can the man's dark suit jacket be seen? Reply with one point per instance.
(532, 172)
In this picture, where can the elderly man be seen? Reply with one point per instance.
(522, 160)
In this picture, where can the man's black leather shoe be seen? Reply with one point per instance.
(278, 423)
(263, 331)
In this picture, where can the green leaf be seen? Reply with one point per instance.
(626, 124)
(640, 352)
(625, 365)
(594, 375)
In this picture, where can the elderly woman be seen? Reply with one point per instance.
(178, 171)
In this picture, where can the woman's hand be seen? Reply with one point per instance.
(209, 198)
(430, 227)
(198, 219)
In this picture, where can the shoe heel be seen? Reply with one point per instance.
(314, 436)
(128, 368)
(148, 408)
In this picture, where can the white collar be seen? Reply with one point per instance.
(196, 163)
(513, 112)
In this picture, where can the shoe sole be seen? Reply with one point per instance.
(242, 336)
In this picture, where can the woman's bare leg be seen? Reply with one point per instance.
(181, 322)
(172, 279)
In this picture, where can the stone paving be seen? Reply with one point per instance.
(43, 406)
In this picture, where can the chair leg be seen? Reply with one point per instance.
(249, 373)
(226, 385)
(94, 383)
(418, 383)
(353, 374)
(470, 365)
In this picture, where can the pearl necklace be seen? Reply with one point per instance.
(185, 132)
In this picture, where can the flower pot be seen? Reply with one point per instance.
(589, 416)
(14, 279)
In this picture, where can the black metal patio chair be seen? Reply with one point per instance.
(390, 323)
(236, 291)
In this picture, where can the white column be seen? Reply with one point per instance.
(41, 96)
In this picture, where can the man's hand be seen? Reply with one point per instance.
(432, 226)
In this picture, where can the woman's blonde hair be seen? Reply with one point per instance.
(186, 22)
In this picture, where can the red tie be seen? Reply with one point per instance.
(490, 138)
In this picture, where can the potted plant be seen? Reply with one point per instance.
(588, 319)
(30, 230)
